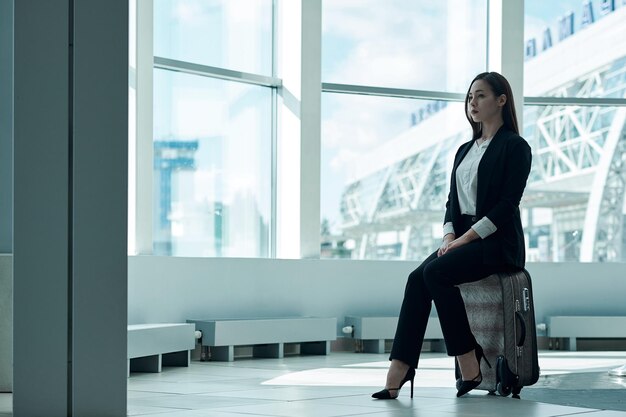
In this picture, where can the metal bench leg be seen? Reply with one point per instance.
(223, 353)
(146, 364)
(274, 350)
(572, 344)
(438, 345)
(315, 348)
(374, 346)
(176, 358)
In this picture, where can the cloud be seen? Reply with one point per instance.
(418, 45)
(390, 43)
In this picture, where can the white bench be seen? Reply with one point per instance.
(372, 331)
(573, 327)
(266, 335)
(152, 346)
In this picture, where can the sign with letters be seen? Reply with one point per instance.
(566, 25)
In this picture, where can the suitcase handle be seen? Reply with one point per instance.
(522, 323)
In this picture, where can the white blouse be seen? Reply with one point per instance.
(467, 188)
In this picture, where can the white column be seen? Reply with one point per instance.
(70, 205)
(506, 47)
(41, 219)
(6, 127)
(144, 145)
(99, 208)
(6, 196)
(298, 158)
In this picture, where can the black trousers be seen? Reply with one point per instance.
(436, 279)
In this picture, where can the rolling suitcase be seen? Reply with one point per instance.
(502, 317)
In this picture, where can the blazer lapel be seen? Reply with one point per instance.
(456, 210)
(486, 166)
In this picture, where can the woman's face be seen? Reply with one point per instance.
(482, 104)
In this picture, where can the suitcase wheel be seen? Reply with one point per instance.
(503, 390)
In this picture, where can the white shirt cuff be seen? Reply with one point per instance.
(448, 228)
(484, 227)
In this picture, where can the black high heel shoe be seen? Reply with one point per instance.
(386, 395)
(462, 386)
(478, 351)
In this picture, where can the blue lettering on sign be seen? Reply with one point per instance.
(531, 48)
(547, 39)
(425, 112)
(566, 26)
(587, 14)
(608, 6)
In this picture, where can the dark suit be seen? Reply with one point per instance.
(502, 174)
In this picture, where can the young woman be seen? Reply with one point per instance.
(482, 235)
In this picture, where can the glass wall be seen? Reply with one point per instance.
(219, 33)
(394, 77)
(576, 58)
(566, 186)
(385, 160)
(212, 136)
(425, 45)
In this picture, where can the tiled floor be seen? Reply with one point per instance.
(340, 384)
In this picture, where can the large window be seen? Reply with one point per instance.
(426, 45)
(574, 118)
(566, 39)
(226, 130)
(218, 33)
(386, 151)
(212, 182)
(572, 191)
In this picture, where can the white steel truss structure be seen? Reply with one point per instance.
(578, 174)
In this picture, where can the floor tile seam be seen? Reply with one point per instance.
(202, 393)
(392, 411)
(269, 399)
(323, 398)
(176, 393)
(168, 408)
(230, 365)
(234, 383)
(226, 375)
(243, 413)
(581, 413)
(244, 389)
(174, 381)
(253, 401)
(381, 407)
(616, 388)
(221, 408)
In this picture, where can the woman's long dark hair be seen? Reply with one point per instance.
(499, 85)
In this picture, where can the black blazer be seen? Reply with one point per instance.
(502, 175)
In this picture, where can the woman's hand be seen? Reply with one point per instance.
(447, 239)
(451, 243)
